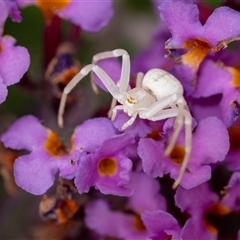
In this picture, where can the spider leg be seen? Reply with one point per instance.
(113, 105)
(178, 124)
(129, 122)
(188, 147)
(103, 76)
(125, 72)
(158, 106)
(139, 79)
(114, 111)
(163, 114)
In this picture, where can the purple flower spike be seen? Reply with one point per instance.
(108, 168)
(35, 172)
(15, 61)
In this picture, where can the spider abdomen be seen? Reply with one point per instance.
(161, 83)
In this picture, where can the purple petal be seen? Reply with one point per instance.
(116, 144)
(99, 218)
(26, 133)
(151, 153)
(35, 172)
(146, 193)
(196, 199)
(90, 135)
(161, 224)
(213, 79)
(197, 176)
(92, 16)
(211, 141)
(86, 174)
(15, 61)
(225, 17)
(194, 227)
(182, 19)
(15, 14)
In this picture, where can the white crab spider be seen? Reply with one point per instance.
(158, 95)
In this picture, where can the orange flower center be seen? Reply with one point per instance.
(236, 76)
(53, 145)
(154, 135)
(177, 154)
(49, 7)
(197, 51)
(107, 167)
(138, 223)
(218, 210)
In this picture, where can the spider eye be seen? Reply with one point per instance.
(131, 100)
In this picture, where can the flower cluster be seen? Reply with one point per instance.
(114, 181)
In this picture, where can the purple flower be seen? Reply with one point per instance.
(197, 39)
(15, 61)
(35, 172)
(199, 202)
(182, 19)
(210, 144)
(106, 164)
(108, 168)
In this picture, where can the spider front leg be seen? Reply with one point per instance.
(123, 82)
(103, 76)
